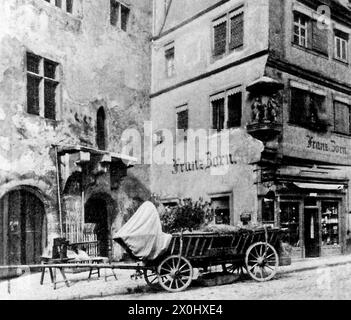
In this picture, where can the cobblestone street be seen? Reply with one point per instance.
(323, 278)
(327, 283)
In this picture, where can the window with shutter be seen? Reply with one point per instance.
(236, 31)
(319, 38)
(220, 38)
(342, 118)
(234, 110)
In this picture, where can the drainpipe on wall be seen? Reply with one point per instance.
(58, 190)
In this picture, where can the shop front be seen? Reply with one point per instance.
(314, 213)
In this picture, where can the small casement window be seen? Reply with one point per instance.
(119, 15)
(66, 5)
(228, 33)
(300, 29)
(101, 129)
(305, 107)
(170, 61)
(308, 34)
(341, 46)
(183, 118)
(42, 86)
(221, 207)
(226, 109)
(342, 118)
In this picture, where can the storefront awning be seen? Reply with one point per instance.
(319, 186)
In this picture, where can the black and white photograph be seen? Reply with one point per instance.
(175, 150)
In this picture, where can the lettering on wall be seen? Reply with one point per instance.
(327, 146)
(198, 165)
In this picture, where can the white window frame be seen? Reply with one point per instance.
(42, 86)
(303, 41)
(343, 55)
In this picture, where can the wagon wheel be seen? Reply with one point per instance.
(151, 278)
(261, 261)
(175, 273)
(237, 270)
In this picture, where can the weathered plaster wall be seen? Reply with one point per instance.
(100, 65)
(193, 42)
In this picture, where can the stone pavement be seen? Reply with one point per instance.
(28, 286)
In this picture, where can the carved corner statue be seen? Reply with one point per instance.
(265, 112)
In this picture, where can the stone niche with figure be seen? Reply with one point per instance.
(265, 122)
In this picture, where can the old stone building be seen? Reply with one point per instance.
(73, 75)
(278, 71)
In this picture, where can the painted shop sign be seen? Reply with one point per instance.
(326, 146)
(199, 165)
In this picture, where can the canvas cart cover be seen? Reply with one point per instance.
(143, 235)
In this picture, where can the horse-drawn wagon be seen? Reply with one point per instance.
(170, 260)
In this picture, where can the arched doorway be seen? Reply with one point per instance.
(96, 213)
(101, 129)
(22, 228)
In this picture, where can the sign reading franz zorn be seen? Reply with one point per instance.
(330, 146)
(210, 162)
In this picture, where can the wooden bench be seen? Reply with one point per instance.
(91, 248)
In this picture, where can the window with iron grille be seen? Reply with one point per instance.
(228, 33)
(341, 46)
(119, 15)
(342, 118)
(226, 109)
(42, 86)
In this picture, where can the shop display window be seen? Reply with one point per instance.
(289, 219)
(268, 211)
(330, 223)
